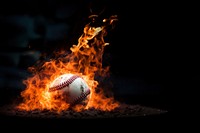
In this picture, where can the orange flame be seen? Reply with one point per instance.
(85, 60)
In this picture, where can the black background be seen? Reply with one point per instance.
(153, 52)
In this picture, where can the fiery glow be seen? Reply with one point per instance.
(85, 59)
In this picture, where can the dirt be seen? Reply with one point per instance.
(124, 110)
(126, 117)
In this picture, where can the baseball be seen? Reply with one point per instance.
(70, 87)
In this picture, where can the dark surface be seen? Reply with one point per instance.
(123, 111)
(124, 117)
(148, 123)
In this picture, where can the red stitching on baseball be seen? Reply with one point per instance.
(64, 84)
(81, 97)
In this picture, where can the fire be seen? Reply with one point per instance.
(85, 59)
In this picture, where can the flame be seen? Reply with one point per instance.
(85, 59)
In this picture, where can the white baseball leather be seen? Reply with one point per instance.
(72, 87)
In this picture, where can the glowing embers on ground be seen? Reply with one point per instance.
(85, 60)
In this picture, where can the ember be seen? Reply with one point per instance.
(85, 60)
